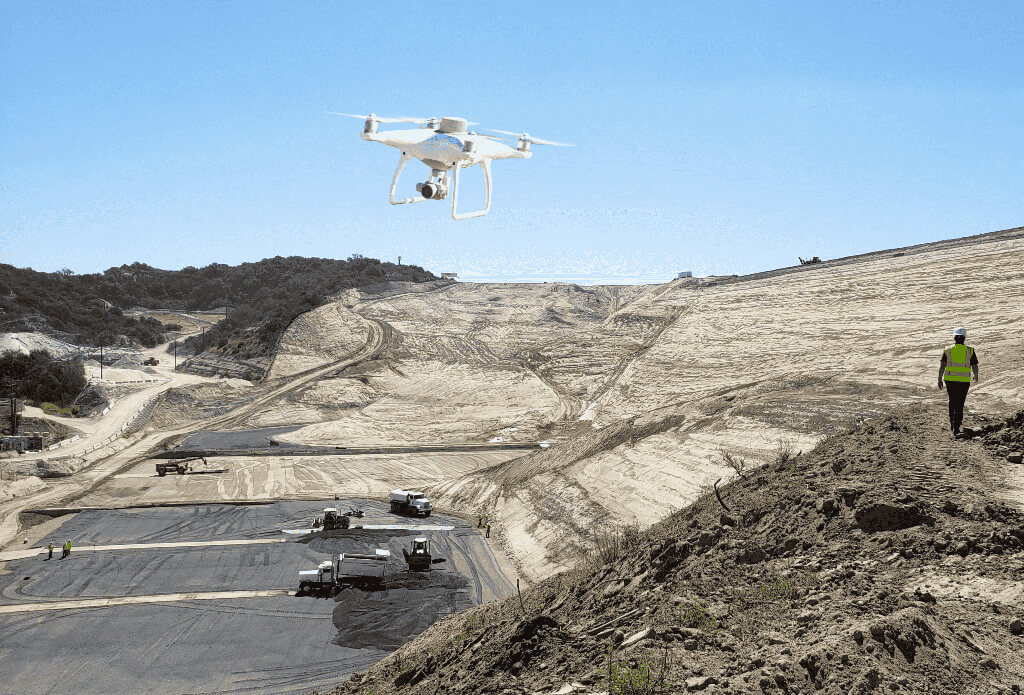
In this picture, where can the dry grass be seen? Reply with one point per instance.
(785, 452)
(608, 543)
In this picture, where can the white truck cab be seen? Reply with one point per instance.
(410, 502)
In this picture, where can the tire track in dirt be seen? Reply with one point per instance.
(647, 344)
(97, 472)
(569, 407)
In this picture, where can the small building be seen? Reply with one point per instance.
(21, 443)
(685, 274)
(449, 276)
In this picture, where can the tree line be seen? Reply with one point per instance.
(37, 376)
(263, 296)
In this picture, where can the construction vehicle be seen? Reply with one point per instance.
(151, 362)
(408, 502)
(813, 259)
(351, 569)
(179, 466)
(419, 560)
(333, 519)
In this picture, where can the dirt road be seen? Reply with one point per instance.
(105, 465)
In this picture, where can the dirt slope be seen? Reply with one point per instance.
(758, 366)
(880, 561)
(302, 346)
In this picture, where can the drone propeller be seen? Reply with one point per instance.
(381, 119)
(528, 138)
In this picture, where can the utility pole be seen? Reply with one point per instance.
(204, 339)
(101, 363)
(175, 354)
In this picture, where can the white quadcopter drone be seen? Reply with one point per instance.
(445, 145)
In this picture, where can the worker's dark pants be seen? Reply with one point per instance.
(51, 554)
(957, 392)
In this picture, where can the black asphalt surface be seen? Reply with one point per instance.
(235, 439)
(278, 644)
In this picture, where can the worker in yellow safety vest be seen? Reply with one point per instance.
(959, 360)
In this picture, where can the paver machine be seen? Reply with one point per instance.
(419, 559)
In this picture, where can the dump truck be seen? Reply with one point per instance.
(419, 560)
(179, 466)
(409, 502)
(351, 569)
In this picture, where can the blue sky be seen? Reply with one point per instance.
(722, 137)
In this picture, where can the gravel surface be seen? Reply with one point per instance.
(238, 439)
(271, 644)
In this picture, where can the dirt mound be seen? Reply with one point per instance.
(1005, 439)
(880, 561)
(315, 338)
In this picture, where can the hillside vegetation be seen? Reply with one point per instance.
(264, 297)
(39, 377)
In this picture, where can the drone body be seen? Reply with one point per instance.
(446, 146)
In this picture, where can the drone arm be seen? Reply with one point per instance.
(485, 164)
(394, 183)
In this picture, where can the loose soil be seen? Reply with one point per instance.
(882, 560)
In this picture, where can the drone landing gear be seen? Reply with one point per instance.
(436, 188)
(485, 164)
(394, 183)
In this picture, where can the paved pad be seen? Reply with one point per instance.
(31, 552)
(129, 600)
(170, 600)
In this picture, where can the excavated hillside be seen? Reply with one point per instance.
(749, 367)
(887, 559)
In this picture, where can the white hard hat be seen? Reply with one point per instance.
(960, 331)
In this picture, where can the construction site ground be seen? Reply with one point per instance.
(201, 598)
(888, 559)
(633, 401)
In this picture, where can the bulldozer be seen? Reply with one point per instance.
(419, 560)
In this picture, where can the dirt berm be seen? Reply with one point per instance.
(888, 559)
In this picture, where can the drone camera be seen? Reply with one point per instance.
(432, 190)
